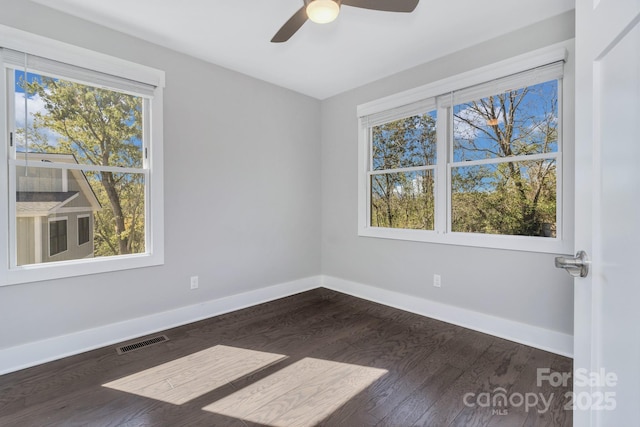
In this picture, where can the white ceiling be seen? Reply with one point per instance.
(319, 60)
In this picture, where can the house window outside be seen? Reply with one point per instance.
(57, 236)
(84, 233)
(477, 165)
(84, 140)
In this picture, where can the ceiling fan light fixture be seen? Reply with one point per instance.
(323, 11)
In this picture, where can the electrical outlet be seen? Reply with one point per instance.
(437, 280)
(194, 282)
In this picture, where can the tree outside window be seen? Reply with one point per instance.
(495, 196)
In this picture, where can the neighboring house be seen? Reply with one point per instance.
(54, 211)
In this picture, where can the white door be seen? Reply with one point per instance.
(607, 301)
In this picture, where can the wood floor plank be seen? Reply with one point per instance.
(284, 403)
(252, 398)
(316, 358)
(501, 378)
(328, 395)
(420, 400)
(408, 360)
(557, 414)
(475, 379)
(511, 415)
(181, 380)
(423, 362)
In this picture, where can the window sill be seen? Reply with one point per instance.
(81, 267)
(514, 243)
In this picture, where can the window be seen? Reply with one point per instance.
(473, 164)
(83, 229)
(84, 139)
(57, 236)
(403, 156)
(504, 162)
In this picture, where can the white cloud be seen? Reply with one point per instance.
(467, 128)
(35, 104)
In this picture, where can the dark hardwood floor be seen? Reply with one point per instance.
(316, 358)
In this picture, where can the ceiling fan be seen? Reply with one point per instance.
(324, 11)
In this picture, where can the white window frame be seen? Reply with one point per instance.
(32, 44)
(56, 219)
(78, 228)
(409, 102)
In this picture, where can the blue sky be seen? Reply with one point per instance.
(534, 109)
(538, 106)
(34, 105)
(19, 77)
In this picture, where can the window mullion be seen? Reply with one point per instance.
(400, 170)
(13, 257)
(9, 130)
(10, 113)
(560, 195)
(442, 180)
(510, 159)
(146, 132)
(368, 166)
(75, 166)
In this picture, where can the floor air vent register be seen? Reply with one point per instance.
(141, 344)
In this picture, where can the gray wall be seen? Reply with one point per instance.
(520, 286)
(242, 180)
(247, 206)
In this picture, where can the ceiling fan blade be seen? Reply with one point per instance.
(291, 26)
(384, 5)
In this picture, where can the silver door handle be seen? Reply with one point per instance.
(577, 266)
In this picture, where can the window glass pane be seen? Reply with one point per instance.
(57, 236)
(84, 235)
(120, 224)
(405, 143)
(97, 126)
(113, 202)
(403, 200)
(519, 122)
(512, 198)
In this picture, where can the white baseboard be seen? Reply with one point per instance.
(544, 339)
(38, 352)
(34, 353)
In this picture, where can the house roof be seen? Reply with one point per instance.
(44, 196)
(36, 203)
(42, 203)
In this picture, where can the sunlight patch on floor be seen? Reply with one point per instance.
(188, 377)
(302, 394)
